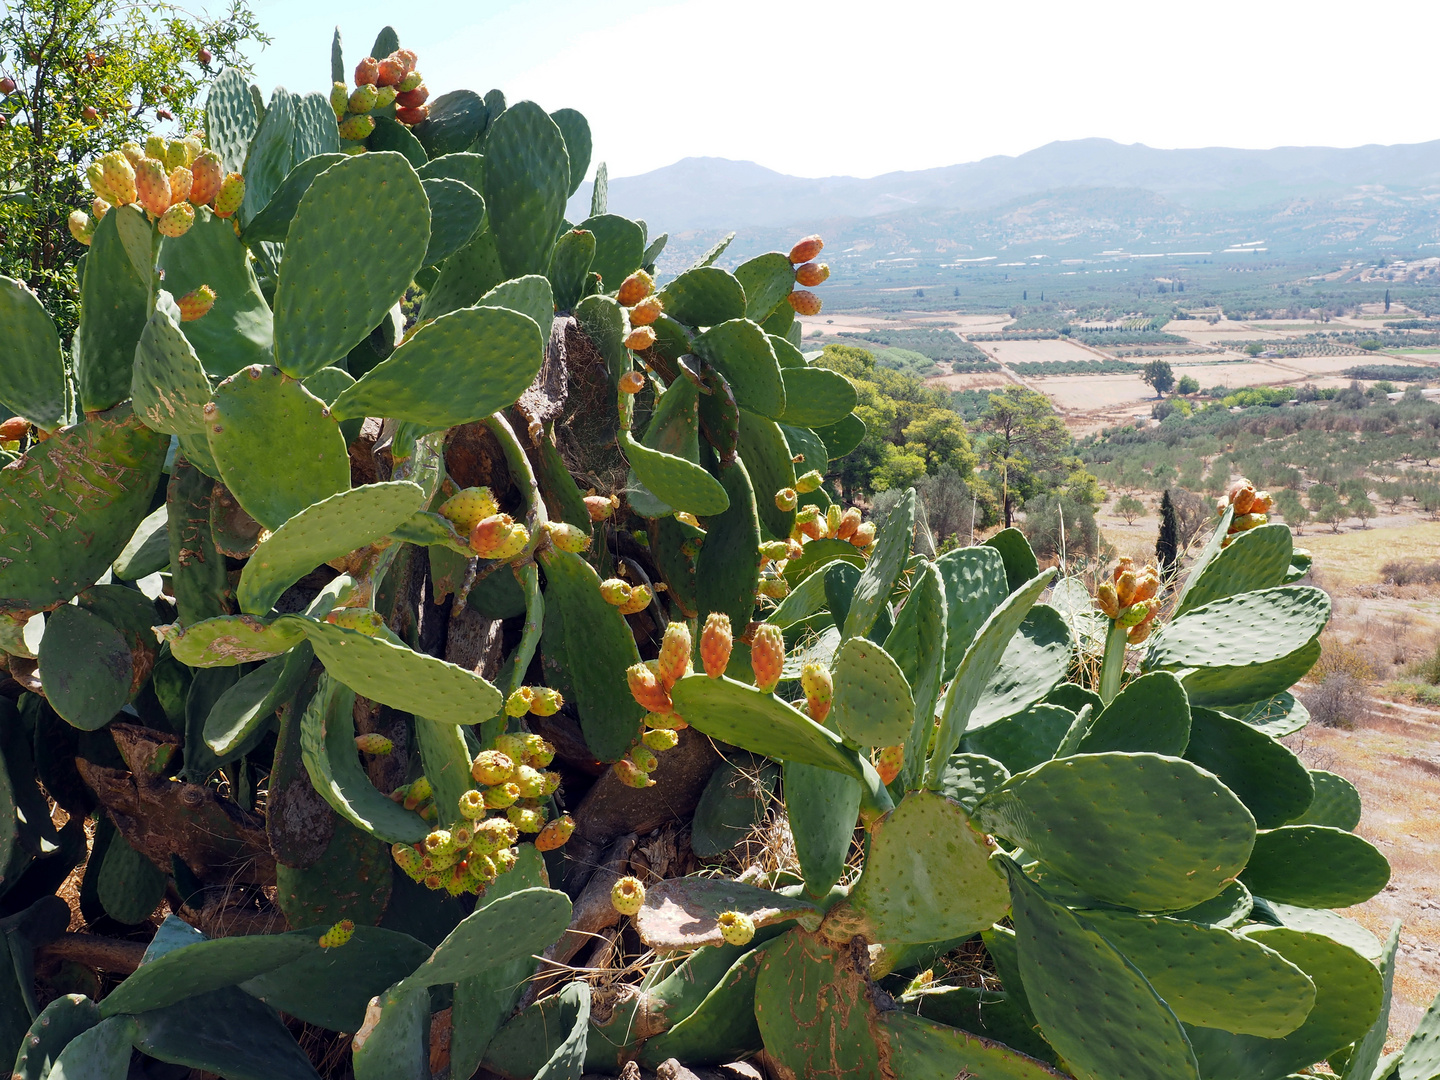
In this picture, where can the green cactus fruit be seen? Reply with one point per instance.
(660, 740)
(357, 128)
(526, 819)
(337, 935)
(567, 537)
(361, 101)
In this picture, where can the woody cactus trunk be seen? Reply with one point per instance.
(381, 528)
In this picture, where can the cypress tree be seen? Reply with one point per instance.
(1167, 545)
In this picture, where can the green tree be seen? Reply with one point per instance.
(1160, 375)
(1254, 349)
(1292, 509)
(1029, 451)
(1187, 385)
(1358, 505)
(1130, 508)
(80, 78)
(911, 430)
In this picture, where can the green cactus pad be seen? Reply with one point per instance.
(1261, 993)
(1020, 564)
(803, 601)
(917, 642)
(258, 409)
(513, 926)
(198, 575)
(1268, 778)
(529, 295)
(1422, 1051)
(527, 179)
(466, 276)
(231, 119)
(390, 134)
(129, 885)
(1150, 714)
(722, 1027)
(457, 213)
(61, 1021)
(981, 661)
(841, 438)
(1348, 993)
(324, 530)
(205, 966)
(101, 1052)
(681, 913)
(820, 553)
(761, 723)
(327, 740)
(570, 264)
(1278, 716)
(767, 454)
(1256, 559)
(767, 280)
(331, 987)
(741, 352)
(240, 714)
(32, 382)
(665, 462)
(921, 1047)
(789, 357)
(114, 302)
(822, 807)
(1228, 908)
(352, 880)
(239, 329)
(975, 585)
(225, 1032)
(547, 1041)
(85, 667)
(619, 248)
(814, 1009)
(273, 222)
(873, 705)
(1242, 631)
(883, 568)
(1124, 828)
(455, 121)
(734, 801)
(727, 572)
(227, 640)
(968, 778)
(460, 368)
(466, 167)
(357, 239)
(393, 1043)
(924, 841)
(704, 296)
(1366, 1058)
(169, 388)
(1242, 685)
(1094, 1007)
(1315, 866)
(815, 397)
(1034, 661)
(1328, 924)
(72, 503)
(590, 641)
(1336, 803)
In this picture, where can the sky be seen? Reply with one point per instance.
(814, 88)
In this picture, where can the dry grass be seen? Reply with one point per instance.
(1356, 556)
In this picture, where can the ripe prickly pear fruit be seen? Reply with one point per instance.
(809, 521)
(337, 935)
(196, 303)
(1263, 503)
(660, 740)
(1241, 495)
(555, 833)
(776, 588)
(673, 663)
(786, 499)
(530, 782)
(644, 758)
(408, 859)
(389, 71)
(864, 536)
(406, 58)
(177, 155)
(152, 186)
(642, 337)
(518, 703)
(339, 100)
(1246, 522)
(631, 775)
(1147, 584)
(647, 689)
(628, 896)
(849, 522)
(500, 796)
(767, 656)
(498, 537)
(526, 819)
(177, 220)
(632, 382)
(181, 181)
(634, 289)
(99, 208)
(806, 249)
(491, 767)
(412, 115)
(811, 274)
(14, 428)
(362, 99)
(665, 721)
(230, 195)
(568, 537)
(206, 176)
(736, 927)
(472, 805)
(373, 743)
(1106, 599)
(357, 128)
(134, 153)
(468, 506)
(819, 690)
(433, 882)
(639, 600)
(647, 311)
(805, 302)
(545, 702)
(411, 81)
(367, 71)
(889, 762)
(614, 591)
(599, 507)
(1138, 634)
(413, 99)
(535, 751)
(82, 226)
(119, 176)
(716, 641)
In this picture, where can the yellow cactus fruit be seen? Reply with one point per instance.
(599, 507)
(472, 805)
(615, 592)
(568, 537)
(82, 226)
(674, 660)
(647, 311)
(181, 181)
(634, 289)
(660, 740)
(627, 896)
(499, 796)
(1106, 600)
(545, 702)
(776, 588)
(819, 690)
(492, 767)
(632, 381)
(670, 721)
(374, 743)
(642, 337)
(468, 507)
(786, 499)
(177, 220)
(638, 601)
(736, 927)
(536, 752)
(526, 818)
(337, 935)
(518, 703)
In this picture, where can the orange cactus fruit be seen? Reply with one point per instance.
(674, 660)
(767, 656)
(647, 689)
(806, 249)
(716, 641)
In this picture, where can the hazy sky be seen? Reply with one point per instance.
(816, 88)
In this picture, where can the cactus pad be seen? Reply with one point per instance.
(237, 718)
(1246, 630)
(516, 925)
(169, 387)
(822, 807)
(459, 368)
(1124, 828)
(767, 279)
(32, 381)
(815, 397)
(921, 1047)
(1315, 866)
(680, 913)
(257, 410)
(58, 1024)
(873, 706)
(1269, 779)
(1336, 803)
(722, 1027)
(741, 352)
(98, 1053)
(619, 247)
(1151, 714)
(1256, 559)
(704, 296)
(1034, 661)
(231, 118)
(547, 1041)
(456, 214)
(114, 302)
(767, 459)
(85, 667)
(527, 179)
(204, 966)
(393, 1042)
(1025, 740)
(358, 237)
(273, 222)
(227, 640)
(927, 877)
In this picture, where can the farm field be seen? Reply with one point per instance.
(1030, 352)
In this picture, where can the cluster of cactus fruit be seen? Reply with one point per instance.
(244, 550)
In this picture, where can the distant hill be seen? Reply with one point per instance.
(1067, 196)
